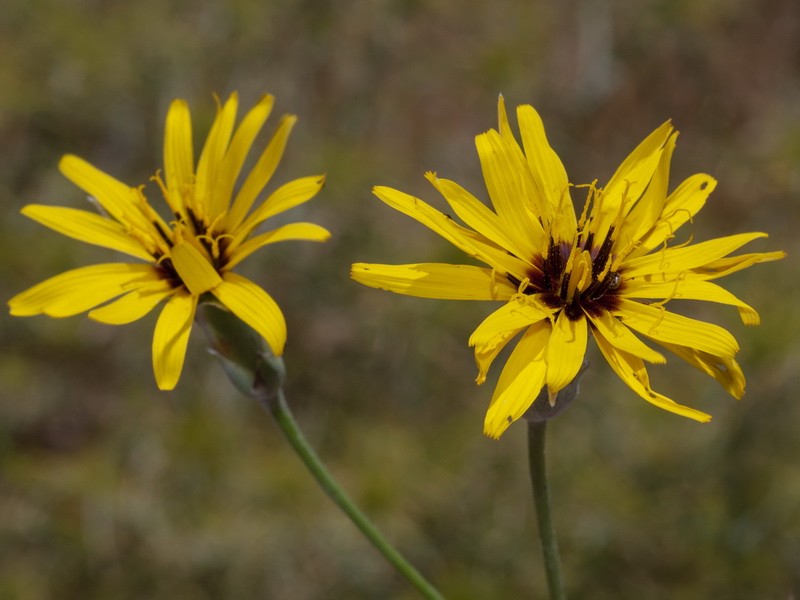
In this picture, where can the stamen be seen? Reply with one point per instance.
(678, 280)
(173, 206)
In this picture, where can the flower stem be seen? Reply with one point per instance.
(541, 497)
(283, 416)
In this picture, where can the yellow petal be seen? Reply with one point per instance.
(502, 118)
(133, 305)
(210, 163)
(664, 326)
(193, 268)
(726, 266)
(688, 257)
(285, 197)
(619, 336)
(118, 199)
(631, 370)
(485, 355)
(170, 338)
(565, 351)
(630, 180)
(548, 171)
(293, 231)
(477, 215)
(498, 328)
(515, 314)
(688, 289)
(680, 206)
(86, 227)
(178, 150)
(643, 216)
(237, 152)
(636, 171)
(80, 289)
(435, 280)
(462, 238)
(255, 307)
(261, 173)
(511, 190)
(521, 380)
(725, 370)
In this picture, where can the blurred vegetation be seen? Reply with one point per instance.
(111, 489)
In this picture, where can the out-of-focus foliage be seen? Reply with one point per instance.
(110, 489)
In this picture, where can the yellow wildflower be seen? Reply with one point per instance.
(609, 270)
(210, 230)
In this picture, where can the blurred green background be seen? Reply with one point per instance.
(111, 489)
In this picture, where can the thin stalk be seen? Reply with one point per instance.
(283, 416)
(544, 516)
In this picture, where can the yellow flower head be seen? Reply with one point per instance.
(610, 269)
(209, 232)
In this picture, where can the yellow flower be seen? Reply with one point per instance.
(610, 269)
(209, 232)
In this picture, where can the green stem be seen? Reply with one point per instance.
(541, 497)
(280, 410)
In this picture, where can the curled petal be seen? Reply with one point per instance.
(632, 371)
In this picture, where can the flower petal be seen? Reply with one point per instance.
(619, 336)
(435, 280)
(725, 370)
(239, 148)
(519, 312)
(193, 268)
(688, 257)
(261, 173)
(548, 171)
(511, 190)
(210, 163)
(476, 214)
(632, 371)
(498, 328)
(521, 380)
(460, 237)
(663, 326)
(133, 305)
(680, 206)
(644, 214)
(565, 352)
(86, 227)
(255, 307)
(293, 231)
(118, 199)
(285, 197)
(630, 180)
(80, 289)
(178, 151)
(636, 171)
(685, 288)
(171, 337)
(731, 264)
